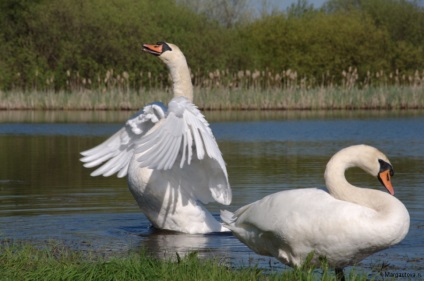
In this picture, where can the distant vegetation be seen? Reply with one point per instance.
(95, 45)
(285, 98)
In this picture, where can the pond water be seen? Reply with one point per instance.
(46, 194)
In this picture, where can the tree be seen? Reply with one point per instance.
(227, 12)
(300, 8)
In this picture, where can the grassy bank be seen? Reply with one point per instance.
(220, 98)
(25, 262)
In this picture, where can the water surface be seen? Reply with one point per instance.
(46, 194)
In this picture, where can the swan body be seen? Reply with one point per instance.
(344, 225)
(169, 155)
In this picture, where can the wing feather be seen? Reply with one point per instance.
(95, 160)
(183, 143)
(158, 146)
(116, 152)
(184, 148)
(162, 153)
(177, 141)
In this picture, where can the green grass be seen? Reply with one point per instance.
(321, 98)
(54, 262)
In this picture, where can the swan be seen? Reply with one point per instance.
(170, 156)
(344, 225)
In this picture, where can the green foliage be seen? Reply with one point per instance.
(318, 44)
(72, 44)
(403, 21)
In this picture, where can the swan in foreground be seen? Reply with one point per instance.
(169, 155)
(344, 225)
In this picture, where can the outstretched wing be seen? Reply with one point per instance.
(177, 141)
(118, 150)
(184, 139)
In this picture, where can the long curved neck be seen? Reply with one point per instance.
(391, 218)
(181, 79)
(337, 185)
(340, 188)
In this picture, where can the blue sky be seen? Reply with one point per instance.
(286, 3)
(281, 4)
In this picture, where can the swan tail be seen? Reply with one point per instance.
(228, 217)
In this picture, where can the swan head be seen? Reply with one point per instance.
(368, 158)
(167, 52)
(385, 174)
(174, 59)
(377, 164)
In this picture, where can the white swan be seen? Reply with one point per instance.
(344, 226)
(170, 155)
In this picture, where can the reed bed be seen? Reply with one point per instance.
(388, 97)
(223, 90)
(55, 262)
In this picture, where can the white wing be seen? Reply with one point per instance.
(119, 148)
(180, 144)
(176, 135)
(183, 144)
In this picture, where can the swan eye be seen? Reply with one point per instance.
(165, 47)
(384, 166)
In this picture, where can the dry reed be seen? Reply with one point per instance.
(225, 90)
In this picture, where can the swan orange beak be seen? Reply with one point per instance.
(153, 49)
(384, 178)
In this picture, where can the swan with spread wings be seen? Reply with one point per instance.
(170, 156)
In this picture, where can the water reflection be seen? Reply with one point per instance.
(45, 193)
(166, 244)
